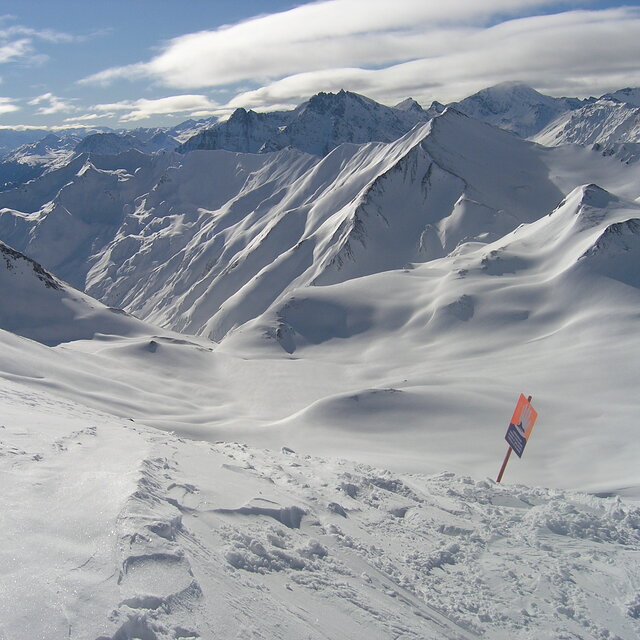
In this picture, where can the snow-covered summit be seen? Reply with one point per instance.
(244, 131)
(516, 107)
(317, 126)
(408, 104)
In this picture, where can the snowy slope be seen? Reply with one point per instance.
(64, 217)
(205, 241)
(417, 368)
(39, 306)
(603, 122)
(311, 226)
(549, 309)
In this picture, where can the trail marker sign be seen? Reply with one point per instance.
(519, 430)
(521, 425)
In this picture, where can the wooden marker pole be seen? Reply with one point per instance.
(504, 464)
(506, 457)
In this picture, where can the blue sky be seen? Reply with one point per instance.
(158, 62)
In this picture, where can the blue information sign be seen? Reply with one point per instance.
(515, 438)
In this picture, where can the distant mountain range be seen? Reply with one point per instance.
(328, 120)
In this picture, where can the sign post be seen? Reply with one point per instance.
(520, 428)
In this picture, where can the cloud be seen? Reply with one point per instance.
(144, 108)
(90, 116)
(16, 49)
(587, 52)
(7, 106)
(316, 36)
(50, 104)
(48, 35)
(17, 41)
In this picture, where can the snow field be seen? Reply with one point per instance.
(125, 532)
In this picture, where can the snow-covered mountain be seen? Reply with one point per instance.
(629, 96)
(28, 161)
(603, 122)
(11, 139)
(317, 126)
(111, 143)
(244, 131)
(287, 254)
(286, 213)
(47, 150)
(516, 107)
(205, 241)
(48, 153)
(39, 306)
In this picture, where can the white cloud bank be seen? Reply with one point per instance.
(49, 104)
(193, 105)
(390, 50)
(7, 106)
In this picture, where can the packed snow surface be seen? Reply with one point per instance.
(126, 532)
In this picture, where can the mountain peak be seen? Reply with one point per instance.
(596, 197)
(333, 103)
(409, 104)
(516, 107)
(629, 95)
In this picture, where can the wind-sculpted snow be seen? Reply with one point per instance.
(147, 535)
